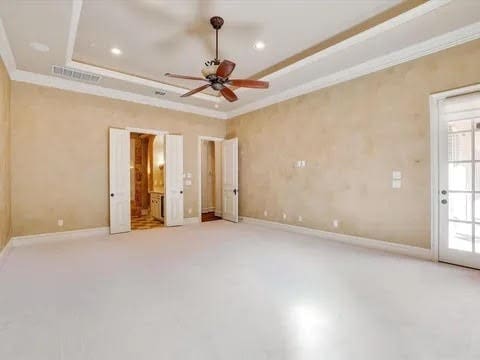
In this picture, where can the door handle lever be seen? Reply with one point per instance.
(235, 191)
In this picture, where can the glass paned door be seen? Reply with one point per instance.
(459, 208)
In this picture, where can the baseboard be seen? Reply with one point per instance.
(348, 239)
(209, 209)
(4, 252)
(191, 220)
(58, 236)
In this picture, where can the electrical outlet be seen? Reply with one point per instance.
(284, 216)
(60, 222)
(335, 223)
(190, 210)
(265, 213)
(300, 218)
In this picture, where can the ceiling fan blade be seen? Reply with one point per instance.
(225, 69)
(184, 77)
(228, 94)
(254, 84)
(194, 91)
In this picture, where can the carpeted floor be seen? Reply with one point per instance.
(219, 290)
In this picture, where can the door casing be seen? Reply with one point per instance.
(435, 100)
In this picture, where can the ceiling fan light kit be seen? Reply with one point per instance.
(217, 73)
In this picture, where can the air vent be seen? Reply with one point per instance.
(74, 74)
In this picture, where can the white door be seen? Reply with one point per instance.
(173, 180)
(119, 164)
(230, 179)
(459, 180)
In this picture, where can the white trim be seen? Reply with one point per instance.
(6, 51)
(146, 131)
(59, 83)
(360, 37)
(413, 52)
(72, 33)
(5, 252)
(191, 221)
(58, 236)
(199, 169)
(140, 81)
(408, 250)
(434, 101)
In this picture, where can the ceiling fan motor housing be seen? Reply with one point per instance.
(209, 70)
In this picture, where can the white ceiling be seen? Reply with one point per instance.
(175, 36)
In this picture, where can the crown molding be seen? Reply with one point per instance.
(6, 51)
(442, 42)
(137, 80)
(59, 83)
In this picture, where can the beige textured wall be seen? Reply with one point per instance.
(60, 154)
(5, 168)
(352, 136)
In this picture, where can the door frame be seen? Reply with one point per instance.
(199, 169)
(143, 131)
(435, 100)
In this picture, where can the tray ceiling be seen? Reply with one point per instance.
(175, 36)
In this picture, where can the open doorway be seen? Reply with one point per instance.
(211, 181)
(147, 180)
(164, 192)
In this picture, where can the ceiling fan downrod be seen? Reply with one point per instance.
(217, 23)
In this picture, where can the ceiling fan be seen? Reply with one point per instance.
(217, 74)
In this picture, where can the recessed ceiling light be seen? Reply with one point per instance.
(116, 51)
(39, 47)
(259, 45)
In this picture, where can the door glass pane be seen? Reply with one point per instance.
(460, 206)
(459, 125)
(460, 236)
(460, 176)
(477, 145)
(460, 146)
(477, 208)
(477, 239)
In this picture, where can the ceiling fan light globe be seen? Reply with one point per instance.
(209, 70)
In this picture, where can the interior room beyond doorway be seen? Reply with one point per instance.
(147, 184)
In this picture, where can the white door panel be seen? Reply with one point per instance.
(119, 168)
(173, 180)
(459, 181)
(230, 179)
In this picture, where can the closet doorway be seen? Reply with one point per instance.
(218, 179)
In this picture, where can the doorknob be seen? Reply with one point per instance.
(444, 201)
(181, 191)
(235, 191)
(112, 194)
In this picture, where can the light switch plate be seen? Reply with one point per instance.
(396, 184)
(396, 175)
(188, 182)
